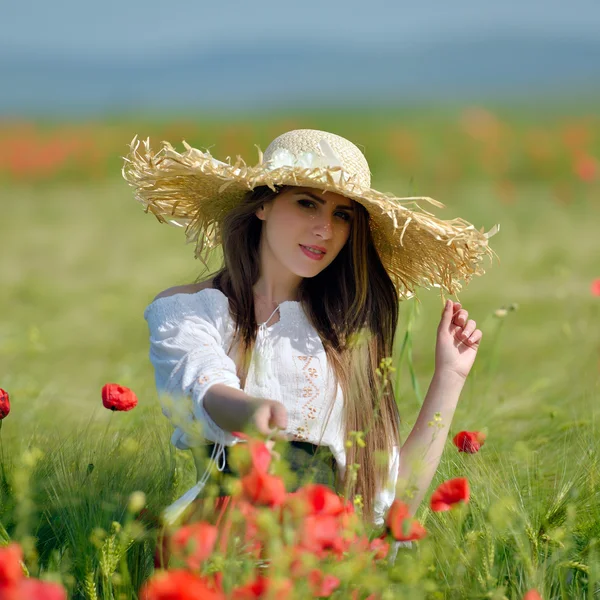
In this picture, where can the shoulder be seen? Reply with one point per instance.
(198, 302)
(191, 288)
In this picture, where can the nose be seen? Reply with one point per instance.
(323, 227)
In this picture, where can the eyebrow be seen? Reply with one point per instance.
(316, 197)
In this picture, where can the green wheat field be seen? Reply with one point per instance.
(79, 262)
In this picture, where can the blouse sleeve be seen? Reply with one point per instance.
(187, 352)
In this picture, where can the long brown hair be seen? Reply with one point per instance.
(353, 306)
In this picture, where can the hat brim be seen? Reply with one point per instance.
(194, 190)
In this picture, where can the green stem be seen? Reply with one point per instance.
(4, 537)
(493, 360)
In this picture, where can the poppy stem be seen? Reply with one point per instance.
(4, 481)
(4, 537)
(406, 352)
(494, 349)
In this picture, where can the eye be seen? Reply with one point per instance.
(306, 203)
(344, 215)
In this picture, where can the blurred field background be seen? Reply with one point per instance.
(79, 262)
(81, 259)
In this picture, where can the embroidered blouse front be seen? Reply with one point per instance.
(190, 336)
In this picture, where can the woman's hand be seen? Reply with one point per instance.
(234, 410)
(269, 415)
(457, 341)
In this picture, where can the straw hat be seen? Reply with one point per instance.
(196, 191)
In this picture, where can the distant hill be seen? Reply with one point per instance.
(244, 78)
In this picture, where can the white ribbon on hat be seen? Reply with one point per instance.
(282, 157)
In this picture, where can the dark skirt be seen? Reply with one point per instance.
(308, 462)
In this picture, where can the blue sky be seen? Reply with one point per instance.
(136, 27)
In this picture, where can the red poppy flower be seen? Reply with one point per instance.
(263, 587)
(586, 167)
(532, 595)
(263, 489)
(246, 529)
(450, 493)
(320, 534)
(179, 585)
(34, 589)
(196, 542)
(11, 571)
(13, 584)
(322, 586)
(469, 441)
(380, 547)
(4, 404)
(259, 454)
(317, 499)
(118, 397)
(401, 525)
(595, 287)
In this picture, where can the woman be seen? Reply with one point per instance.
(290, 332)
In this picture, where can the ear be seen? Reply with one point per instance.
(261, 213)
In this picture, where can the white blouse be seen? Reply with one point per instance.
(190, 335)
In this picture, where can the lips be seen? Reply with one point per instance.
(314, 252)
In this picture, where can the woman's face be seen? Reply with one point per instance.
(304, 229)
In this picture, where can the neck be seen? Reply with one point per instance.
(273, 292)
(275, 284)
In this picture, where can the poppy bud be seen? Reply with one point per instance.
(402, 527)
(4, 404)
(118, 397)
(469, 441)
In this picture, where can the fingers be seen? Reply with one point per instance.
(459, 325)
(279, 416)
(270, 417)
(467, 330)
(469, 336)
(453, 315)
(447, 313)
(261, 420)
(460, 315)
(475, 337)
(279, 421)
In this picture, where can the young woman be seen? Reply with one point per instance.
(289, 334)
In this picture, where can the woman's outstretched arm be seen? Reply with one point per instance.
(421, 453)
(234, 410)
(456, 348)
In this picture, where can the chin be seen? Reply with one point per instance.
(310, 275)
(306, 272)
